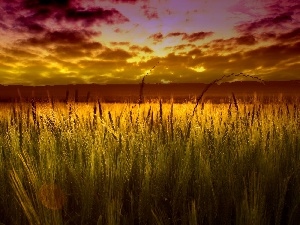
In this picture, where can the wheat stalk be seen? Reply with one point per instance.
(141, 96)
(220, 79)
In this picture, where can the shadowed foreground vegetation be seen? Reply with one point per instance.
(150, 163)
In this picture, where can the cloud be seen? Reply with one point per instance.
(60, 37)
(90, 16)
(277, 7)
(273, 55)
(180, 47)
(176, 34)
(262, 60)
(190, 37)
(158, 37)
(42, 3)
(266, 62)
(245, 8)
(293, 35)
(90, 45)
(197, 36)
(24, 24)
(35, 11)
(193, 37)
(141, 49)
(134, 48)
(245, 40)
(78, 51)
(122, 43)
(229, 45)
(31, 76)
(125, 1)
(52, 41)
(40, 14)
(265, 36)
(196, 52)
(3, 26)
(115, 55)
(275, 21)
(118, 30)
(149, 12)
(17, 53)
(121, 31)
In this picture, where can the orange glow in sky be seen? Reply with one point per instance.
(47, 42)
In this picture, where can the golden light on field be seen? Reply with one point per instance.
(126, 163)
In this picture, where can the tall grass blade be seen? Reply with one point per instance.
(23, 198)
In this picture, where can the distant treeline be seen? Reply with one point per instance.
(164, 99)
(217, 93)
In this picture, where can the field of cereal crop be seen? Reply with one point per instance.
(153, 163)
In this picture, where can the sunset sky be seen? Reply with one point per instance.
(47, 42)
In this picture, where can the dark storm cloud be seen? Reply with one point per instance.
(60, 37)
(42, 3)
(265, 36)
(271, 55)
(3, 26)
(90, 16)
(32, 23)
(40, 14)
(77, 51)
(57, 11)
(245, 40)
(265, 22)
(24, 24)
(65, 44)
(293, 35)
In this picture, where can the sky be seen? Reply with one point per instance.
(50, 42)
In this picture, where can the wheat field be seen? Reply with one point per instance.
(152, 163)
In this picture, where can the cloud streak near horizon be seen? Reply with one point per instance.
(48, 42)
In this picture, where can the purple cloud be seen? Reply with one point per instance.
(158, 37)
(149, 12)
(196, 36)
(265, 22)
